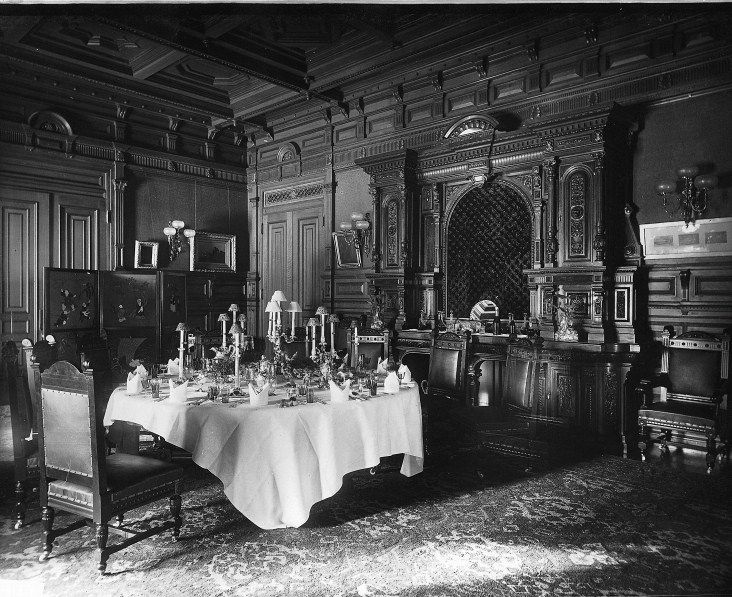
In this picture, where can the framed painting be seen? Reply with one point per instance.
(129, 300)
(676, 240)
(348, 253)
(72, 300)
(213, 252)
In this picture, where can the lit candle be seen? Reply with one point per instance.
(307, 341)
(223, 318)
(312, 324)
(322, 312)
(182, 328)
(235, 332)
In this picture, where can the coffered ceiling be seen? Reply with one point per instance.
(247, 62)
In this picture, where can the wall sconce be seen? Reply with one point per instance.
(172, 231)
(360, 231)
(692, 200)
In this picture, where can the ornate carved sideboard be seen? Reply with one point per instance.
(567, 392)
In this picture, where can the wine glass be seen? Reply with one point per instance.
(400, 376)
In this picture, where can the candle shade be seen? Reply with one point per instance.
(294, 307)
(235, 330)
(234, 308)
(273, 307)
(688, 171)
(321, 311)
(181, 327)
(312, 322)
(279, 296)
(224, 317)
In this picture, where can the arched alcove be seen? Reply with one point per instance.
(488, 247)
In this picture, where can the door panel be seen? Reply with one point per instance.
(306, 282)
(81, 241)
(23, 254)
(277, 259)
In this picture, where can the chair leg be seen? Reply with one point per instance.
(120, 519)
(102, 534)
(711, 452)
(644, 440)
(175, 507)
(47, 516)
(20, 505)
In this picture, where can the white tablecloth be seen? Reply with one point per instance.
(275, 463)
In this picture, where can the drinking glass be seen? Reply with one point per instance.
(224, 392)
(155, 387)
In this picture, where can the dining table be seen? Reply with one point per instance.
(275, 463)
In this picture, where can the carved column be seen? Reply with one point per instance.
(599, 243)
(118, 222)
(552, 243)
(376, 234)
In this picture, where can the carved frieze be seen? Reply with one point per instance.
(577, 211)
(301, 193)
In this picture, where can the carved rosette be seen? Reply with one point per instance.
(600, 242)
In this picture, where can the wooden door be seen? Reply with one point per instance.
(291, 259)
(24, 229)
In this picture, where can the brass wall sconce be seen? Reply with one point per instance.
(175, 240)
(358, 230)
(692, 200)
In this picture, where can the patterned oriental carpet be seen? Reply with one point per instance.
(602, 527)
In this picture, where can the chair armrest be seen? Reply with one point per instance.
(425, 387)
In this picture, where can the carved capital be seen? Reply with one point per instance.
(120, 184)
(174, 124)
(122, 111)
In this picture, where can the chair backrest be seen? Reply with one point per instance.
(519, 380)
(448, 365)
(71, 442)
(372, 347)
(697, 365)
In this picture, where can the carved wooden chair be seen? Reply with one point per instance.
(77, 475)
(22, 413)
(368, 348)
(445, 386)
(693, 397)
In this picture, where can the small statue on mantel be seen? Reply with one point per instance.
(569, 311)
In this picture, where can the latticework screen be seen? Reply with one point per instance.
(488, 246)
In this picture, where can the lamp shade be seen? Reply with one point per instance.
(235, 329)
(357, 215)
(346, 226)
(242, 318)
(181, 327)
(279, 296)
(688, 171)
(321, 311)
(312, 322)
(272, 307)
(189, 233)
(665, 187)
(224, 317)
(233, 307)
(362, 225)
(168, 231)
(178, 224)
(707, 181)
(294, 307)
(334, 318)
(50, 339)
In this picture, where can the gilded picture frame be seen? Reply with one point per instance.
(213, 252)
(347, 250)
(146, 254)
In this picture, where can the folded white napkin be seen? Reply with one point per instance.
(173, 368)
(178, 393)
(141, 371)
(381, 366)
(338, 395)
(259, 398)
(391, 383)
(134, 383)
(407, 373)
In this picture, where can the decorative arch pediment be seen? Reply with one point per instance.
(45, 120)
(472, 125)
(287, 152)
